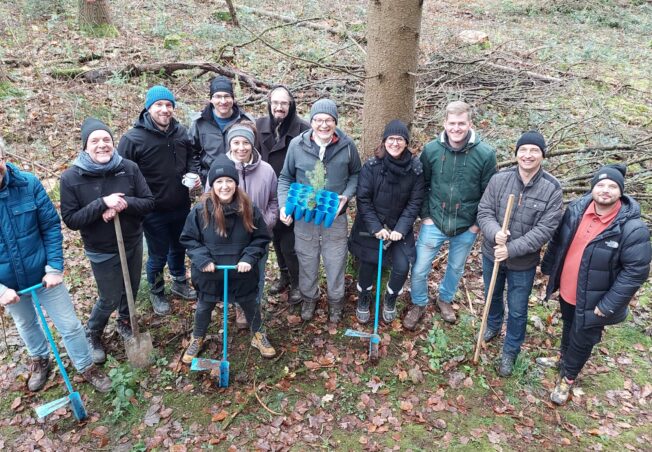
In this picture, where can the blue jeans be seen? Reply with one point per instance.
(428, 244)
(261, 276)
(58, 305)
(162, 232)
(519, 286)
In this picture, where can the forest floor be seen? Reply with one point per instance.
(577, 70)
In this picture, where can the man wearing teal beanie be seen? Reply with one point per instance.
(160, 146)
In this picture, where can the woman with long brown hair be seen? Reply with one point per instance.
(225, 228)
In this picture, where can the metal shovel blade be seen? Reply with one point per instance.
(200, 364)
(50, 407)
(354, 333)
(224, 374)
(77, 406)
(139, 350)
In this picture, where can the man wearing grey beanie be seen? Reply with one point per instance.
(325, 144)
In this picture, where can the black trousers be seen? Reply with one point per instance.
(111, 288)
(576, 344)
(285, 255)
(367, 273)
(205, 307)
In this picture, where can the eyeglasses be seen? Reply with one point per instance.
(397, 140)
(221, 97)
(280, 104)
(328, 122)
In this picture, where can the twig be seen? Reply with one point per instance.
(468, 297)
(270, 411)
(4, 331)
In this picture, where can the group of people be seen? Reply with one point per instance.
(598, 251)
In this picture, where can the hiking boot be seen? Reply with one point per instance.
(549, 361)
(160, 304)
(413, 316)
(123, 327)
(506, 365)
(389, 307)
(39, 371)
(281, 284)
(96, 377)
(489, 334)
(294, 296)
(97, 348)
(560, 394)
(447, 312)
(183, 289)
(261, 342)
(335, 311)
(240, 318)
(193, 349)
(308, 309)
(362, 309)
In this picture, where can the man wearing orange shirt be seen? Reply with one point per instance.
(598, 259)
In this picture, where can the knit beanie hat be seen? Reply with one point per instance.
(89, 126)
(615, 172)
(238, 130)
(221, 84)
(396, 128)
(222, 166)
(157, 93)
(532, 137)
(324, 106)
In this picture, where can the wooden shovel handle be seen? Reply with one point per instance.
(125, 275)
(492, 284)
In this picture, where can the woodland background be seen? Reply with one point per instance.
(577, 70)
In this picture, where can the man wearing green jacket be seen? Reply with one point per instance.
(457, 167)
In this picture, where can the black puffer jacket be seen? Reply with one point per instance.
(163, 158)
(614, 265)
(82, 205)
(204, 245)
(390, 193)
(208, 140)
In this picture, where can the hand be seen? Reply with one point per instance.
(474, 228)
(598, 312)
(500, 253)
(52, 280)
(427, 221)
(395, 236)
(115, 201)
(9, 297)
(285, 219)
(108, 215)
(343, 201)
(209, 268)
(197, 184)
(383, 234)
(243, 267)
(501, 238)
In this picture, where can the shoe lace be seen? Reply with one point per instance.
(263, 340)
(193, 348)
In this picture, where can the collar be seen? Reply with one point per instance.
(604, 219)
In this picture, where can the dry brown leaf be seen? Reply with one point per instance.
(219, 416)
(16, 403)
(406, 405)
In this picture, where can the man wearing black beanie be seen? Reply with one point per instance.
(598, 259)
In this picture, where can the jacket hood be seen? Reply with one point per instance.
(292, 110)
(474, 140)
(255, 161)
(144, 121)
(13, 176)
(630, 209)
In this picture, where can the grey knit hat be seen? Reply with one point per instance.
(238, 130)
(326, 106)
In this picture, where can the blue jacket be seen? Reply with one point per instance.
(30, 231)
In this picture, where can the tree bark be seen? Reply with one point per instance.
(234, 17)
(393, 29)
(93, 13)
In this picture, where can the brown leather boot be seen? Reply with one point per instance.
(447, 312)
(39, 371)
(335, 311)
(413, 316)
(100, 381)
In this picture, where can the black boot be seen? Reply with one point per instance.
(97, 348)
(279, 286)
(362, 312)
(294, 296)
(389, 306)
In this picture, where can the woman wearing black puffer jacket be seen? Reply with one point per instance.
(389, 196)
(225, 228)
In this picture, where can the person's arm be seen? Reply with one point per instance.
(74, 215)
(487, 218)
(142, 202)
(355, 165)
(271, 212)
(365, 200)
(260, 238)
(193, 240)
(195, 148)
(288, 173)
(635, 256)
(411, 210)
(50, 229)
(427, 174)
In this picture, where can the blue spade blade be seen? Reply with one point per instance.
(200, 364)
(224, 374)
(77, 406)
(50, 407)
(354, 333)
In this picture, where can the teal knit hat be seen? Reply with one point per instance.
(157, 93)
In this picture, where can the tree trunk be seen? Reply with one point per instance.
(393, 29)
(93, 13)
(234, 18)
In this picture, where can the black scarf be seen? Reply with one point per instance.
(395, 169)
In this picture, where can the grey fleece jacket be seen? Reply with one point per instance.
(341, 161)
(535, 217)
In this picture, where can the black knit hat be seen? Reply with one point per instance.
(221, 84)
(396, 128)
(532, 137)
(89, 126)
(615, 172)
(222, 166)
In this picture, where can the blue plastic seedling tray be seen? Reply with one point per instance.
(326, 203)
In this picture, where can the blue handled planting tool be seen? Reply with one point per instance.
(214, 365)
(374, 338)
(73, 397)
